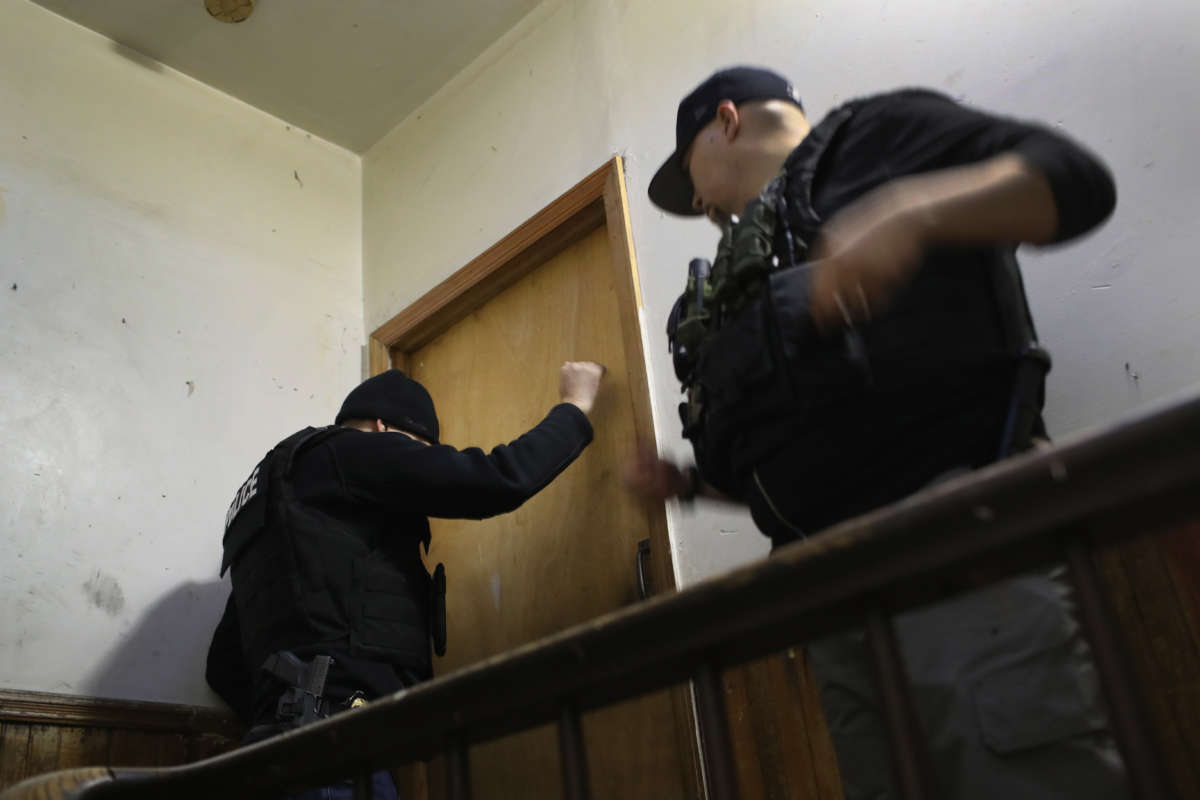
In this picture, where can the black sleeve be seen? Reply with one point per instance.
(226, 670)
(439, 481)
(921, 131)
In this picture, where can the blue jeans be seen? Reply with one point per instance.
(382, 788)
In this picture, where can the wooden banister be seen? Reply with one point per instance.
(994, 522)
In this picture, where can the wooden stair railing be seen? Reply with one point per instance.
(1043, 507)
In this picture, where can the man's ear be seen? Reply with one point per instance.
(728, 120)
(379, 426)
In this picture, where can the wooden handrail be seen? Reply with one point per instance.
(988, 524)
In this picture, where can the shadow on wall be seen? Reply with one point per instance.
(162, 657)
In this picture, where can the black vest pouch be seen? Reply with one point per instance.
(766, 370)
(391, 600)
(326, 560)
(437, 609)
(736, 374)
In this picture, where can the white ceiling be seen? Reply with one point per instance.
(345, 70)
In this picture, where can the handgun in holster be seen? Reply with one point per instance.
(302, 702)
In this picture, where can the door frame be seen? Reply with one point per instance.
(599, 200)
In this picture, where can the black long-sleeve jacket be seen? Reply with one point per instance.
(400, 482)
(937, 403)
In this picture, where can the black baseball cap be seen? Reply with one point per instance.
(671, 189)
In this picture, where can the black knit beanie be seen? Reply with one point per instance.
(396, 399)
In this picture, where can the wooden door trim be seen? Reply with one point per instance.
(556, 227)
(598, 200)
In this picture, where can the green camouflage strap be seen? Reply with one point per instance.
(746, 252)
(745, 255)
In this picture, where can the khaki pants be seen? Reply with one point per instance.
(1005, 690)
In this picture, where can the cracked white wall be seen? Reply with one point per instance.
(188, 284)
(182, 288)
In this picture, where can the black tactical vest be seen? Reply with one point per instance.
(761, 371)
(307, 581)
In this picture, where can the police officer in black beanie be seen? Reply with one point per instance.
(332, 605)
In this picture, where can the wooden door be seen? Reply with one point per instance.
(562, 287)
(568, 554)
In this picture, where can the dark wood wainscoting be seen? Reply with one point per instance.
(45, 732)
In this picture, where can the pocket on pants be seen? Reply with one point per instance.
(1050, 696)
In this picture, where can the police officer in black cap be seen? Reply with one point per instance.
(862, 333)
(332, 605)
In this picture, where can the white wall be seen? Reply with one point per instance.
(182, 287)
(581, 79)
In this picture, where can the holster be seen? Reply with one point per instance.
(302, 702)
